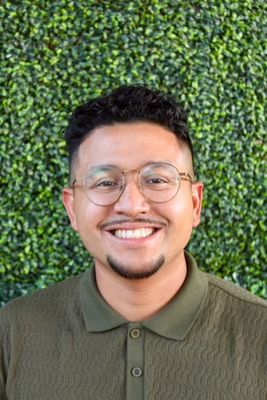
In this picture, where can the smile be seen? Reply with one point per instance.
(133, 233)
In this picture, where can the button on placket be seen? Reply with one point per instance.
(135, 362)
(137, 372)
(135, 333)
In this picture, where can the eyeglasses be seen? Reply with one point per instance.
(158, 182)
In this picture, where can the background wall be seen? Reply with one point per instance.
(210, 54)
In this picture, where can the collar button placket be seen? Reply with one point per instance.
(135, 362)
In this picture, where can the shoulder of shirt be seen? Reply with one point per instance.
(50, 298)
(234, 292)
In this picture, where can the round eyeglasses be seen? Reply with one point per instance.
(158, 182)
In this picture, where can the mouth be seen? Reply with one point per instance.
(133, 233)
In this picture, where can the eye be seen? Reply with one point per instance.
(155, 180)
(106, 183)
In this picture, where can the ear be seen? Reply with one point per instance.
(68, 201)
(197, 195)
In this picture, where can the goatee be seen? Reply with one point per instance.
(133, 273)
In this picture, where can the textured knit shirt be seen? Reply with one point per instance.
(67, 343)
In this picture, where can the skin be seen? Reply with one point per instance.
(130, 146)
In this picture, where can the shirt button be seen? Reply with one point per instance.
(135, 333)
(136, 372)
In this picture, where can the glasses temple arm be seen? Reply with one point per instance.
(186, 177)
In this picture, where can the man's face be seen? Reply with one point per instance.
(134, 237)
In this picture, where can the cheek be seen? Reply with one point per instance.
(84, 213)
(89, 218)
(180, 216)
(181, 209)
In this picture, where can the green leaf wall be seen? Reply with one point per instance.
(211, 55)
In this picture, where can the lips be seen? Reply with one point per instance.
(133, 233)
(132, 230)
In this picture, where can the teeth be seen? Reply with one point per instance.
(133, 234)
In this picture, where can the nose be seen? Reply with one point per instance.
(131, 202)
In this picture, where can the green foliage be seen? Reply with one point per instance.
(55, 55)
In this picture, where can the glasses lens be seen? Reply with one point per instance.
(159, 181)
(103, 185)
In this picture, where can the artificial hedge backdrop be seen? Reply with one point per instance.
(210, 54)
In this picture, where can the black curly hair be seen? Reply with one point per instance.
(126, 104)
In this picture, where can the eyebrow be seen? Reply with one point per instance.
(104, 166)
(100, 167)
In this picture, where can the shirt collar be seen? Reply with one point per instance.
(173, 321)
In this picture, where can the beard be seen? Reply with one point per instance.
(146, 272)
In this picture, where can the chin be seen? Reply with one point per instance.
(136, 273)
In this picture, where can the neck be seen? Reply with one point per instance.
(141, 299)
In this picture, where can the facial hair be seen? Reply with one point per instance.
(124, 271)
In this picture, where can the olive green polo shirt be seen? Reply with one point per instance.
(66, 342)
(172, 323)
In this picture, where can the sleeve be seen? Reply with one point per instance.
(3, 358)
(2, 392)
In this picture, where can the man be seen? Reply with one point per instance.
(144, 322)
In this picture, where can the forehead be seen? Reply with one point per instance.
(130, 145)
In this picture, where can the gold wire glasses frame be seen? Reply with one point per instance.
(158, 182)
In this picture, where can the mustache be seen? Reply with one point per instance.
(132, 220)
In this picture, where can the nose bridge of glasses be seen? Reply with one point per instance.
(136, 180)
(135, 172)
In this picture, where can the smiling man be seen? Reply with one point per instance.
(144, 322)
